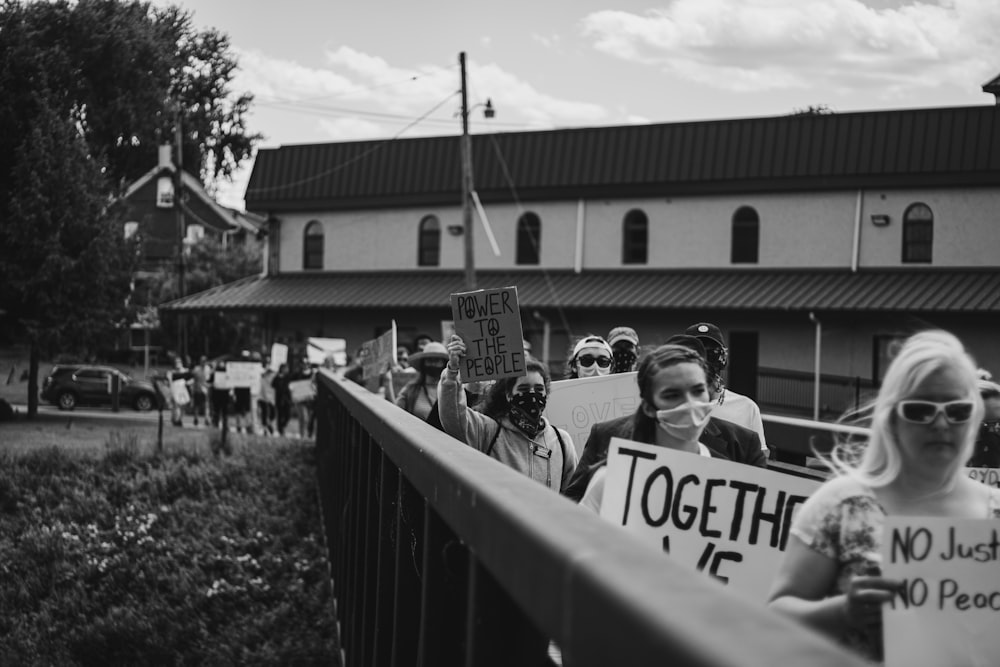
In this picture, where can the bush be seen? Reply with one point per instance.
(179, 558)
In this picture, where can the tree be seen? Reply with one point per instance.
(88, 90)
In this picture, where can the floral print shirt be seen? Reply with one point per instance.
(843, 520)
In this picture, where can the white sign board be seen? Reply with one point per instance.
(728, 519)
(948, 612)
(318, 349)
(301, 390)
(577, 404)
(379, 353)
(279, 355)
(243, 374)
(988, 476)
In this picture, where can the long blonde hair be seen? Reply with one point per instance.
(878, 462)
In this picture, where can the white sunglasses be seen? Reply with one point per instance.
(925, 412)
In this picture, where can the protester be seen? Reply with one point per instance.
(421, 340)
(305, 413)
(986, 453)
(266, 407)
(624, 342)
(282, 398)
(674, 411)
(199, 391)
(243, 403)
(403, 360)
(923, 426)
(510, 427)
(591, 356)
(420, 393)
(733, 407)
(221, 395)
(179, 394)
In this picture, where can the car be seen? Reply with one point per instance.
(73, 385)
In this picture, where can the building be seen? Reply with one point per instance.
(811, 240)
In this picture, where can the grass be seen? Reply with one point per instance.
(115, 555)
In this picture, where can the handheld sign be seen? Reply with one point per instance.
(988, 476)
(379, 353)
(318, 349)
(948, 611)
(489, 321)
(577, 404)
(727, 519)
(243, 374)
(302, 390)
(279, 355)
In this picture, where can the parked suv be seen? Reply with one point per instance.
(69, 386)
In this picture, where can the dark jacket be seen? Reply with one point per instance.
(724, 440)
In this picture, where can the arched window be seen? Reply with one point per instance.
(635, 237)
(529, 239)
(746, 236)
(918, 234)
(312, 246)
(429, 242)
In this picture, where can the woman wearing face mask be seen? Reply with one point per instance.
(509, 425)
(591, 357)
(674, 412)
(420, 393)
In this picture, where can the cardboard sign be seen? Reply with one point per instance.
(301, 390)
(279, 355)
(379, 354)
(318, 349)
(727, 519)
(988, 476)
(243, 374)
(948, 612)
(577, 404)
(489, 321)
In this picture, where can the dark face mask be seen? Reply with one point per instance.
(623, 360)
(526, 411)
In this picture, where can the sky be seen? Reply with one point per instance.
(339, 70)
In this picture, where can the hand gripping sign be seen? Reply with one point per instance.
(948, 609)
(489, 322)
(727, 519)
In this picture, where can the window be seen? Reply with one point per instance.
(429, 242)
(312, 246)
(746, 236)
(635, 238)
(529, 239)
(918, 234)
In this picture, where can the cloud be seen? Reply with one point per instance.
(743, 45)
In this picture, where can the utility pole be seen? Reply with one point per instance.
(470, 260)
(179, 211)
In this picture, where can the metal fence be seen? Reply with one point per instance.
(442, 556)
(793, 391)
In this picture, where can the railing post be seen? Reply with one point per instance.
(498, 631)
(442, 596)
(409, 557)
(385, 570)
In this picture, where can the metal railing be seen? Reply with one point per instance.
(442, 556)
(792, 392)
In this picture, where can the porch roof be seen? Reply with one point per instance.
(888, 290)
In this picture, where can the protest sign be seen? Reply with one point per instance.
(447, 329)
(279, 355)
(301, 390)
(728, 519)
(318, 349)
(948, 610)
(988, 476)
(379, 353)
(243, 374)
(577, 404)
(489, 322)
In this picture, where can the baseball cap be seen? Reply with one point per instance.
(623, 333)
(689, 342)
(706, 330)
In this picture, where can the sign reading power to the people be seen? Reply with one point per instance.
(489, 322)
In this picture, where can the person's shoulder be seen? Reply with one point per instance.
(735, 432)
(842, 488)
(621, 426)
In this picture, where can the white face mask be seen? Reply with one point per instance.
(686, 421)
(591, 371)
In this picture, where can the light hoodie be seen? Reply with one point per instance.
(513, 447)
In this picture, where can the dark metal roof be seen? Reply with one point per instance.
(968, 291)
(903, 148)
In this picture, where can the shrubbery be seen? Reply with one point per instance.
(179, 559)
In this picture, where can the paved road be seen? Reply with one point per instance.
(127, 414)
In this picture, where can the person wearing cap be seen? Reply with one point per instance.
(624, 342)
(731, 406)
(591, 357)
(986, 453)
(675, 412)
(509, 425)
(420, 393)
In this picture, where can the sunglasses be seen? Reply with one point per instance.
(925, 412)
(588, 360)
